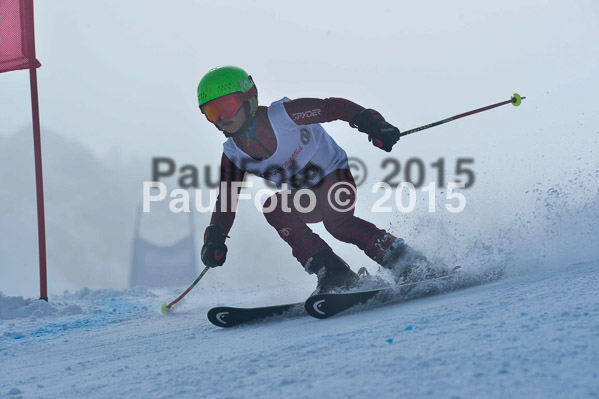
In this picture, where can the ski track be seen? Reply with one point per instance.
(533, 336)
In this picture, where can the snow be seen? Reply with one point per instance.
(533, 210)
(532, 335)
(17, 307)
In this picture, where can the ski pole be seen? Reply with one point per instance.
(515, 101)
(164, 308)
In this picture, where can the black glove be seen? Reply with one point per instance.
(214, 251)
(382, 134)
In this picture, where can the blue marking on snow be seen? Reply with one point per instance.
(113, 310)
(408, 328)
(13, 335)
(390, 340)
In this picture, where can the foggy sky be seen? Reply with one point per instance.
(122, 77)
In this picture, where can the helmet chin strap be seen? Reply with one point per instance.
(250, 107)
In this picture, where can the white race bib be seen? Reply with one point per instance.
(305, 154)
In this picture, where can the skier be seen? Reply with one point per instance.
(286, 144)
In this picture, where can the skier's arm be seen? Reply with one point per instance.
(306, 111)
(223, 215)
(214, 250)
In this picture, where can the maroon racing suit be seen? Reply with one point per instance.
(290, 223)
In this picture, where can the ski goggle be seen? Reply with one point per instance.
(226, 106)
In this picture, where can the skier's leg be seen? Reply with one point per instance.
(384, 248)
(373, 241)
(307, 247)
(293, 229)
(340, 220)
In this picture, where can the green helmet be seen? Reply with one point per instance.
(223, 80)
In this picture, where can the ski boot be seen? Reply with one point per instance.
(409, 265)
(332, 272)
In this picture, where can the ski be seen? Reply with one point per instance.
(322, 306)
(225, 316)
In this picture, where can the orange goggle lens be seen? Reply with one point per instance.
(226, 106)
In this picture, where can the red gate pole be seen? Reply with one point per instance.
(37, 149)
(39, 184)
(18, 52)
